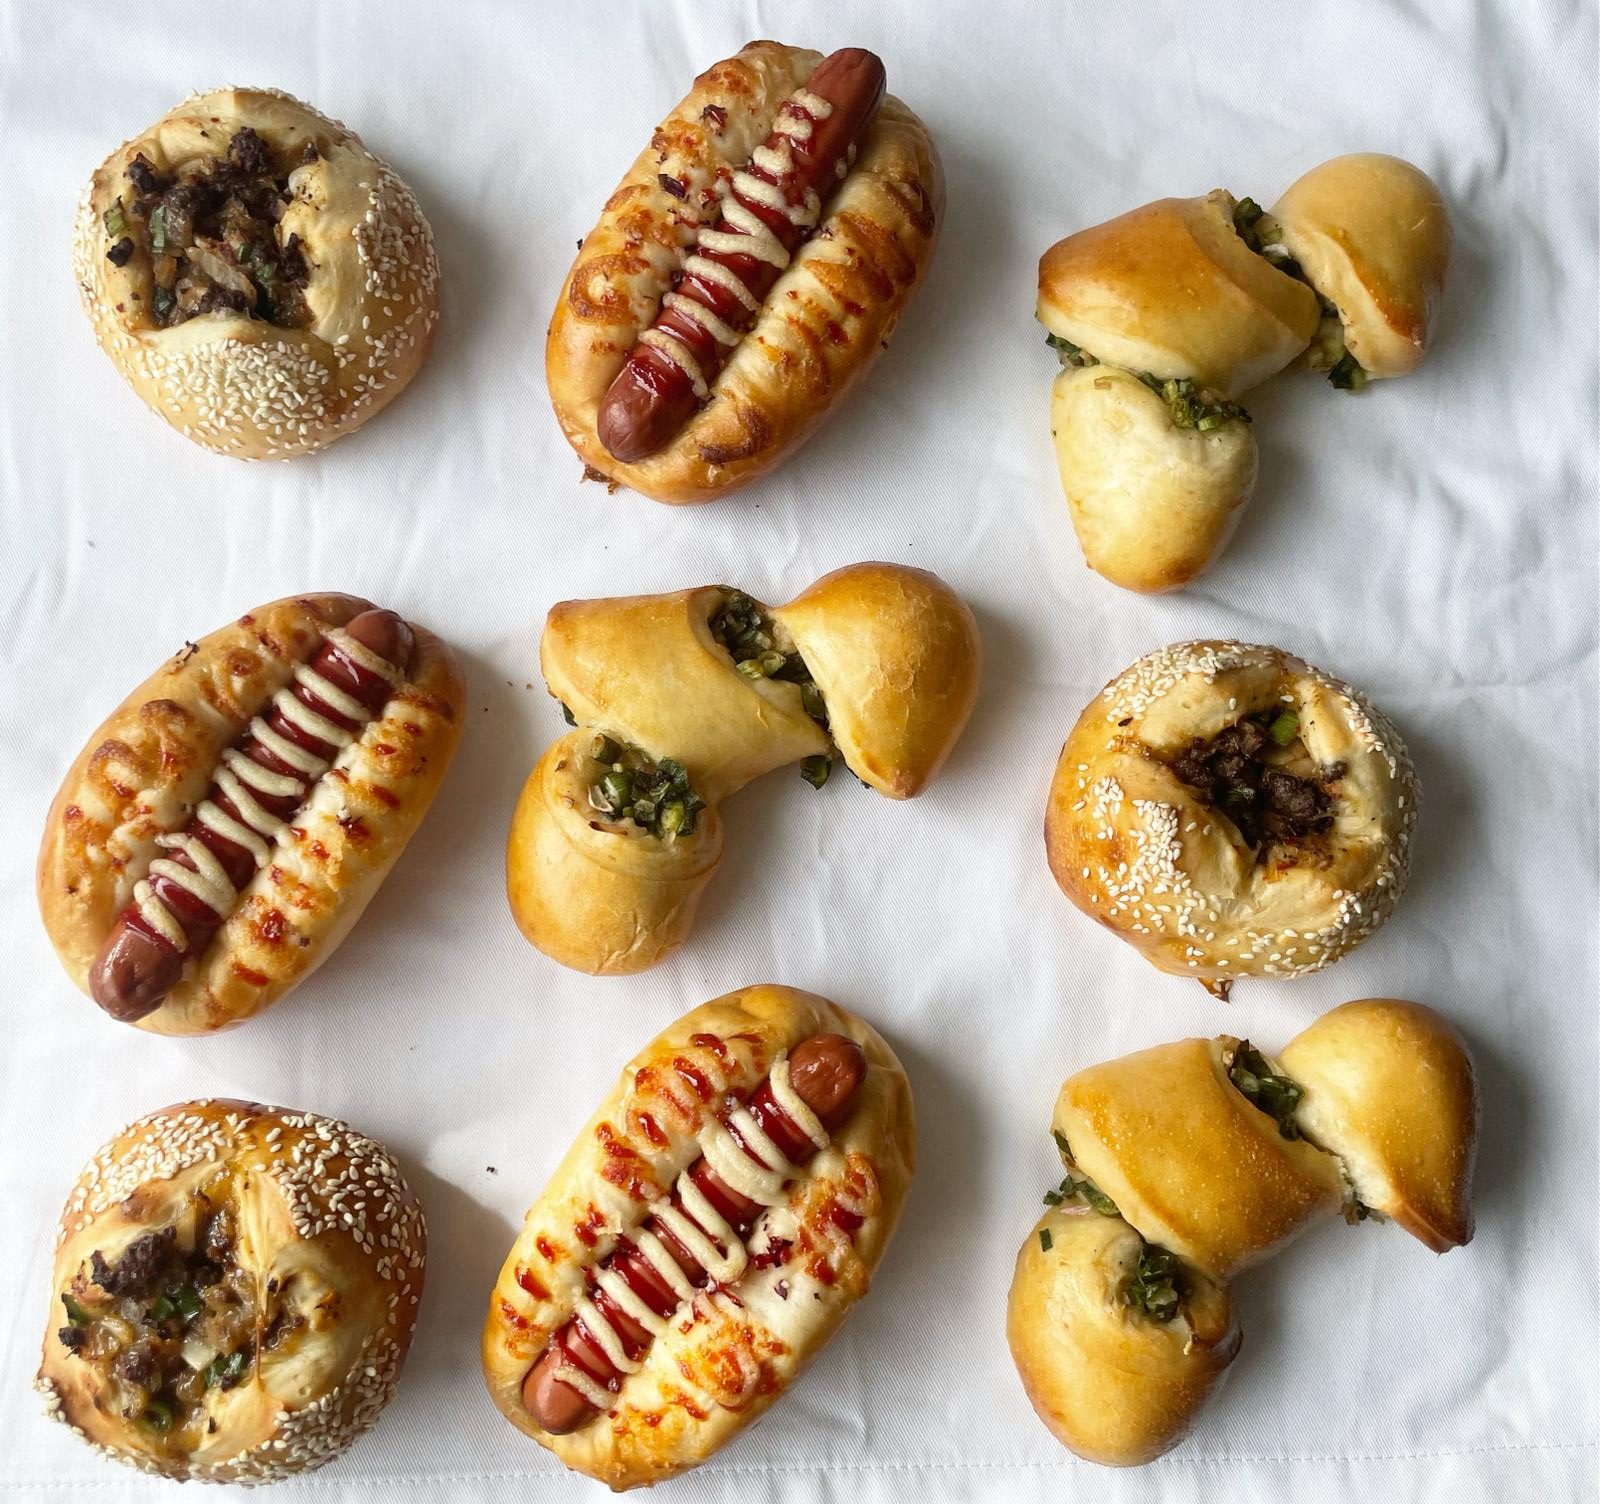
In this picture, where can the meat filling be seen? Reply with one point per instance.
(1258, 773)
(209, 233)
(172, 1319)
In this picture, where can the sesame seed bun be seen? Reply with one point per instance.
(333, 1236)
(1138, 850)
(240, 385)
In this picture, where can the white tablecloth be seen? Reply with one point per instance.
(1433, 540)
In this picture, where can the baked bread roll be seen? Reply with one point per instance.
(1186, 1163)
(260, 279)
(1152, 503)
(233, 1292)
(745, 274)
(1172, 290)
(1113, 1383)
(682, 700)
(709, 1229)
(1231, 811)
(1198, 300)
(226, 825)
(1190, 1160)
(1371, 234)
(1388, 1086)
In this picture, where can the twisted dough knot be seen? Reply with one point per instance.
(681, 699)
(1191, 1161)
(1166, 315)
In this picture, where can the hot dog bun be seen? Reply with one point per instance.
(150, 763)
(708, 1375)
(818, 330)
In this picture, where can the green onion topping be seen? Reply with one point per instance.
(158, 231)
(1283, 728)
(1071, 354)
(1192, 407)
(1157, 1284)
(116, 220)
(161, 1308)
(158, 1414)
(744, 630)
(1045, 1239)
(815, 770)
(653, 795)
(1275, 1095)
(1081, 1188)
(186, 1300)
(75, 1311)
(567, 715)
(1062, 1144)
(1347, 374)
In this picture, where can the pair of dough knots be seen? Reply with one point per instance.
(679, 700)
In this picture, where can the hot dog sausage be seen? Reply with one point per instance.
(639, 1285)
(264, 778)
(771, 206)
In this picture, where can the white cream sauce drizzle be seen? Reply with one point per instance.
(748, 235)
(707, 1235)
(235, 780)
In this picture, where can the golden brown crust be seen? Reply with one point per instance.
(708, 1376)
(826, 320)
(646, 669)
(350, 1265)
(1372, 235)
(1170, 289)
(1389, 1088)
(1113, 1384)
(242, 386)
(897, 656)
(1189, 1161)
(604, 897)
(1135, 849)
(1153, 505)
(895, 653)
(151, 761)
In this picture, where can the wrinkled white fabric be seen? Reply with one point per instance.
(1433, 540)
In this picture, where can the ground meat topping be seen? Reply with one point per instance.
(210, 233)
(141, 1261)
(175, 1317)
(1232, 772)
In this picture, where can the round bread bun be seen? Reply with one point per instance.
(1113, 1383)
(1163, 867)
(1189, 1160)
(1373, 237)
(292, 1238)
(240, 384)
(1153, 504)
(1170, 289)
(897, 656)
(596, 894)
(1389, 1087)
